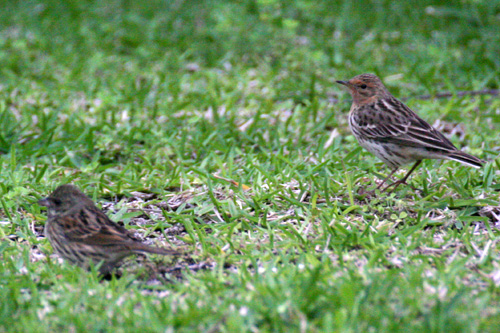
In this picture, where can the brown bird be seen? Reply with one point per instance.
(81, 233)
(394, 133)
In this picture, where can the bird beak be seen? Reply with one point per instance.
(44, 202)
(345, 83)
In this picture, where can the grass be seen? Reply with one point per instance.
(156, 111)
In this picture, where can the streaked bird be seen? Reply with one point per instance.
(390, 130)
(82, 233)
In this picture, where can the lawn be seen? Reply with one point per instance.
(217, 128)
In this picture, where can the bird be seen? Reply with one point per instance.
(82, 234)
(390, 130)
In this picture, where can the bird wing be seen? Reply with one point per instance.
(394, 122)
(89, 225)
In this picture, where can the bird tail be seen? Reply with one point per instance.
(156, 250)
(466, 159)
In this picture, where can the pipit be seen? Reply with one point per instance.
(81, 233)
(394, 133)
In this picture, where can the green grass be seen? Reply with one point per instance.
(146, 106)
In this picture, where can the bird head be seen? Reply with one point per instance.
(63, 199)
(365, 88)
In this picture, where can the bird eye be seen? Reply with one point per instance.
(363, 86)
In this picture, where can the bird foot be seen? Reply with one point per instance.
(396, 184)
(363, 192)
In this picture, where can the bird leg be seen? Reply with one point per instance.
(403, 180)
(385, 179)
(372, 192)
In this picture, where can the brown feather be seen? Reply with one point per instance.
(80, 232)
